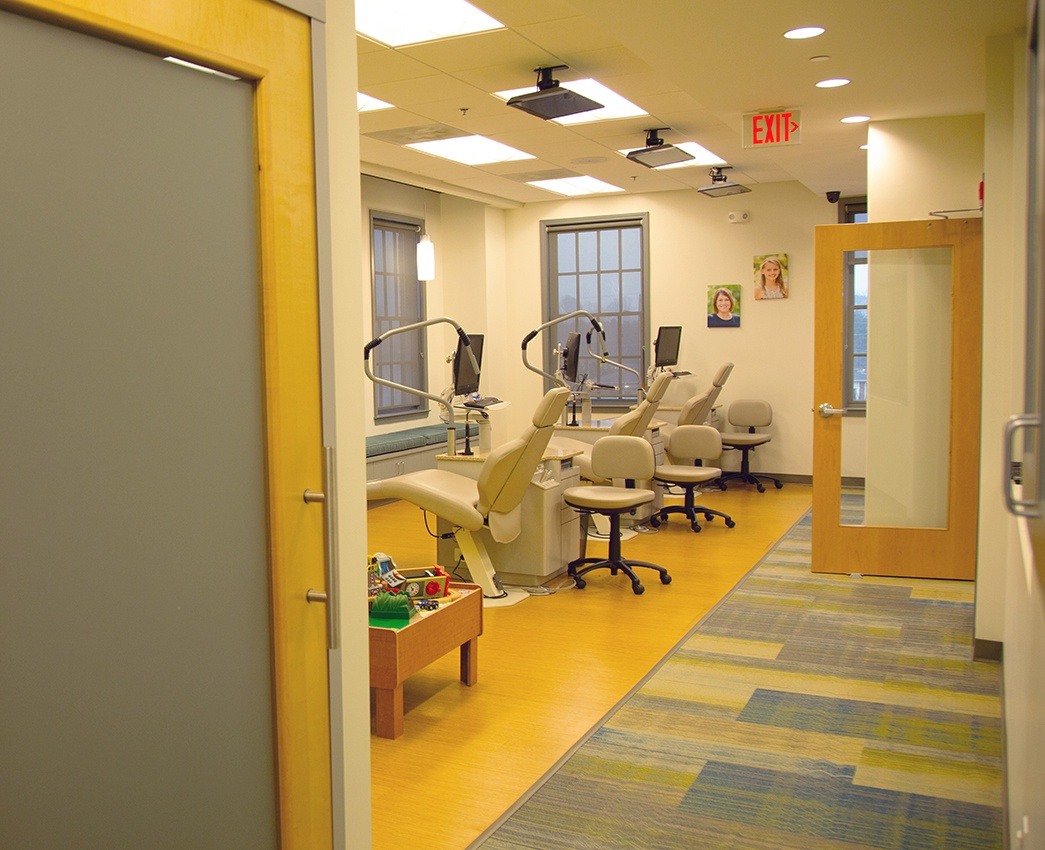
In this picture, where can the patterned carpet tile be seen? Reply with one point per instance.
(820, 712)
(952, 778)
(832, 806)
(943, 731)
(791, 749)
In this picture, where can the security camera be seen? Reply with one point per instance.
(833, 197)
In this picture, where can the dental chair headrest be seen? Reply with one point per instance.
(722, 374)
(550, 408)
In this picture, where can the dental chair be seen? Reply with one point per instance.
(697, 409)
(493, 502)
(631, 424)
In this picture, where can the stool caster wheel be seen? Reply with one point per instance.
(761, 489)
(654, 520)
(730, 523)
(665, 579)
(779, 485)
(709, 517)
(695, 526)
(580, 583)
(638, 588)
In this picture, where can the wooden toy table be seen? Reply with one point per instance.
(398, 653)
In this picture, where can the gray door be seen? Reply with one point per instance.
(135, 685)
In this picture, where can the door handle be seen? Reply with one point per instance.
(827, 411)
(328, 498)
(1018, 507)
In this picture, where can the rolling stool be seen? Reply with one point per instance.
(614, 457)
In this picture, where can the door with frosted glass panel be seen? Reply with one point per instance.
(914, 513)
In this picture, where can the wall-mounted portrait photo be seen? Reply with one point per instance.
(771, 277)
(724, 306)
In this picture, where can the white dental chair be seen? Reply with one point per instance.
(697, 409)
(631, 424)
(492, 502)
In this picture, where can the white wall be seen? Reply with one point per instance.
(1010, 598)
(349, 676)
(692, 246)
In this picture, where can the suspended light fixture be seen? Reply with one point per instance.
(425, 258)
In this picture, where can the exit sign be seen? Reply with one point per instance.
(771, 129)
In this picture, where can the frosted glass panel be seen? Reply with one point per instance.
(907, 380)
(135, 709)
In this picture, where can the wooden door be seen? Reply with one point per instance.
(916, 514)
(165, 677)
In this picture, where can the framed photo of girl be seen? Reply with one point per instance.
(771, 277)
(724, 305)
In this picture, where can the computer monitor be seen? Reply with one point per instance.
(666, 346)
(571, 357)
(466, 379)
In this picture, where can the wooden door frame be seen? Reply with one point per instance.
(891, 551)
(269, 45)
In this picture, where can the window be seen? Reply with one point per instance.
(398, 299)
(599, 265)
(854, 338)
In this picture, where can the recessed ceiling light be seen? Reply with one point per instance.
(614, 106)
(573, 186)
(855, 119)
(833, 84)
(700, 154)
(804, 32)
(366, 103)
(401, 22)
(471, 150)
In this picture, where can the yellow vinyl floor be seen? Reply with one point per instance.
(550, 667)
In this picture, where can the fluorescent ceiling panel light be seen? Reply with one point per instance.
(401, 22)
(613, 105)
(804, 32)
(174, 60)
(574, 186)
(833, 84)
(366, 103)
(700, 154)
(471, 150)
(855, 119)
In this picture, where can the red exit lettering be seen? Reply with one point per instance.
(773, 128)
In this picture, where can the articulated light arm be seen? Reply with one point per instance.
(596, 326)
(604, 359)
(374, 343)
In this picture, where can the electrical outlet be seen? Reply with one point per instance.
(739, 217)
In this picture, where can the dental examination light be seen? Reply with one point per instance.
(438, 399)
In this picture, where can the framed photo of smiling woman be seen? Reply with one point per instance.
(724, 305)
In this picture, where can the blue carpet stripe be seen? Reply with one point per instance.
(834, 807)
(940, 730)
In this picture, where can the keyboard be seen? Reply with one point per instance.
(480, 403)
